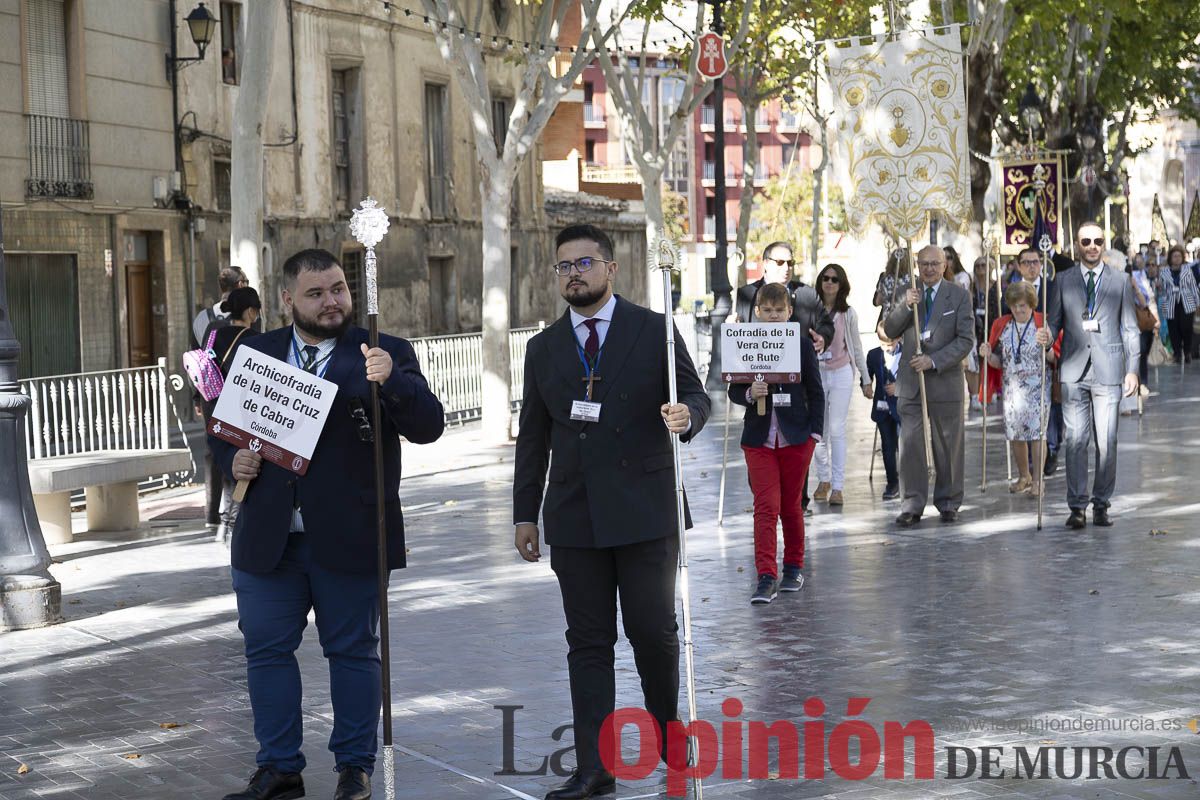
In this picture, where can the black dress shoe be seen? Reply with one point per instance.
(267, 784)
(1100, 517)
(581, 784)
(1051, 464)
(949, 515)
(353, 784)
(907, 519)
(1077, 519)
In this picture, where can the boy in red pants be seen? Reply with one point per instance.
(778, 448)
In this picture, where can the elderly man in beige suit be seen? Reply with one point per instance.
(945, 325)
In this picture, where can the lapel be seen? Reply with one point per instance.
(346, 355)
(276, 343)
(564, 352)
(623, 332)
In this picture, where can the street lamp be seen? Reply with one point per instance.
(30, 597)
(1030, 112)
(201, 25)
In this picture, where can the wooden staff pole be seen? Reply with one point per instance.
(983, 370)
(368, 225)
(913, 282)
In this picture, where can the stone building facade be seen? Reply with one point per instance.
(114, 238)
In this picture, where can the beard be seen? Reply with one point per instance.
(320, 330)
(586, 297)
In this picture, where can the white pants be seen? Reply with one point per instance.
(830, 454)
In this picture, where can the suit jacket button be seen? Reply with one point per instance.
(624, 396)
(624, 462)
(617, 429)
(583, 436)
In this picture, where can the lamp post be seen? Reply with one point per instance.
(29, 596)
(1089, 139)
(719, 268)
(1030, 112)
(201, 25)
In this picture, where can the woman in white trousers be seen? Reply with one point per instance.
(842, 356)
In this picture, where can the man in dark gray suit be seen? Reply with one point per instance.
(596, 398)
(946, 326)
(1093, 307)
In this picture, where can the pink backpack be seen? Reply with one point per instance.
(202, 370)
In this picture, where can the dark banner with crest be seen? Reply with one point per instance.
(1018, 195)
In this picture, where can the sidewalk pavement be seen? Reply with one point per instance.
(985, 629)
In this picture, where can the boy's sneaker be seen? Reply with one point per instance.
(891, 492)
(792, 580)
(766, 591)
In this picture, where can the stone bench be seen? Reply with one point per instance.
(110, 481)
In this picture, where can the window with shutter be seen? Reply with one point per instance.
(46, 58)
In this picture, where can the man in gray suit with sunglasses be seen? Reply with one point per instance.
(1093, 307)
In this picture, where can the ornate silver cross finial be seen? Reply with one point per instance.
(368, 225)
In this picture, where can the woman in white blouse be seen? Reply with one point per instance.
(842, 356)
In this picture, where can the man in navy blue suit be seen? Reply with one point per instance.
(309, 542)
(882, 364)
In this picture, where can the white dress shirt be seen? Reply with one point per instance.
(603, 316)
(295, 357)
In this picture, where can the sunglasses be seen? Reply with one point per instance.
(1089, 242)
(830, 279)
(783, 262)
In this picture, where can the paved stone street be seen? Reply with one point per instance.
(977, 628)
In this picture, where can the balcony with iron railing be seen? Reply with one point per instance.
(610, 173)
(59, 159)
(788, 121)
(710, 228)
(593, 115)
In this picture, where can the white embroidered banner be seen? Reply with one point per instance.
(900, 126)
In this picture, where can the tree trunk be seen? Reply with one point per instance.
(655, 227)
(496, 193)
(249, 121)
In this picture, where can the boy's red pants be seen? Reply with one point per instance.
(777, 477)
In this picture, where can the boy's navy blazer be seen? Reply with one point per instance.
(878, 371)
(797, 422)
(336, 497)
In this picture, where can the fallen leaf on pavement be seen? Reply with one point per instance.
(1157, 532)
(131, 756)
(1094, 591)
(169, 725)
(23, 769)
(741, 569)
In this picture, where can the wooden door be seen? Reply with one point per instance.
(140, 320)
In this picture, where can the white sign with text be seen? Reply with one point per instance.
(766, 351)
(272, 408)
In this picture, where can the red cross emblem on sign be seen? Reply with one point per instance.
(712, 61)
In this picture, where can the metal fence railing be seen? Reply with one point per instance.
(124, 409)
(453, 365)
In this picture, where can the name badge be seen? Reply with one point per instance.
(882, 405)
(782, 400)
(1091, 325)
(583, 411)
(825, 356)
(925, 335)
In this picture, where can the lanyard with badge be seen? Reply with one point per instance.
(585, 410)
(1090, 323)
(928, 315)
(1018, 344)
(322, 364)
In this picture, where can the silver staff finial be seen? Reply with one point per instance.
(368, 225)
